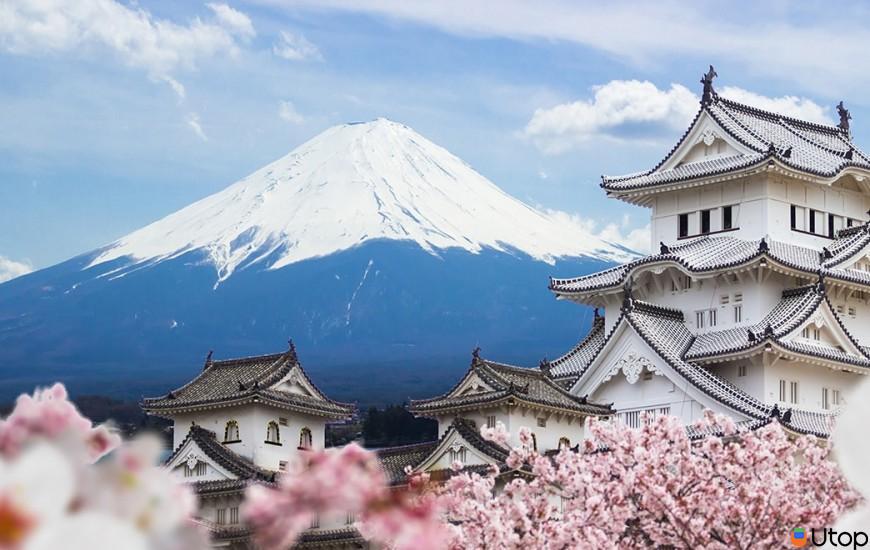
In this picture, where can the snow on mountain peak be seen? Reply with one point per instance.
(350, 184)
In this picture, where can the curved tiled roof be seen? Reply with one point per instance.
(711, 253)
(244, 380)
(796, 306)
(808, 147)
(531, 386)
(664, 330)
(581, 355)
(394, 460)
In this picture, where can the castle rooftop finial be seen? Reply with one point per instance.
(707, 81)
(291, 349)
(845, 117)
(208, 360)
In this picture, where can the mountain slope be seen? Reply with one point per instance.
(352, 184)
(382, 255)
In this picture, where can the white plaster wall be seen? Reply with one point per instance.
(811, 379)
(764, 208)
(253, 420)
(269, 456)
(216, 421)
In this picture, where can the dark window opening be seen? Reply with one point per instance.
(831, 229)
(684, 225)
(812, 221)
(705, 221)
(793, 217)
(849, 222)
(727, 221)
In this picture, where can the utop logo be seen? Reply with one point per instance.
(799, 537)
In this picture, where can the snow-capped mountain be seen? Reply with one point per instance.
(349, 185)
(385, 258)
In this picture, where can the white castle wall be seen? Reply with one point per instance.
(253, 420)
(764, 208)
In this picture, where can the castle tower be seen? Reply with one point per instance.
(755, 303)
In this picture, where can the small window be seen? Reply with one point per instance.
(782, 394)
(832, 231)
(282, 421)
(712, 317)
(825, 403)
(542, 422)
(315, 521)
(201, 468)
(794, 213)
(282, 465)
(458, 454)
(738, 297)
(738, 313)
(273, 435)
(350, 519)
(231, 432)
(699, 319)
(234, 515)
(305, 440)
(221, 516)
(849, 222)
(490, 421)
(812, 221)
(727, 217)
(835, 397)
(851, 312)
(741, 370)
(705, 222)
(724, 299)
(564, 443)
(684, 225)
(793, 392)
(840, 309)
(534, 443)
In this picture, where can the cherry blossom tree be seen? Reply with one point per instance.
(60, 487)
(654, 486)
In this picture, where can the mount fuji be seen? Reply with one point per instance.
(385, 257)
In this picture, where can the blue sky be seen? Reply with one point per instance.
(115, 114)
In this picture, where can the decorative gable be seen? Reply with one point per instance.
(823, 329)
(454, 447)
(297, 383)
(473, 384)
(706, 140)
(191, 463)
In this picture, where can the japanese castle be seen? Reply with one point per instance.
(755, 306)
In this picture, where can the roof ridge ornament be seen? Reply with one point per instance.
(475, 356)
(663, 248)
(707, 81)
(763, 246)
(544, 365)
(291, 350)
(845, 117)
(628, 300)
(208, 360)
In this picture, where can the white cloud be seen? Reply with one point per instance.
(792, 106)
(812, 44)
(287, 111)
(193, 124)
(9, 269)
(233, 19)
(620, 109)
(137, 38)
(296, 47)
(634, 111)
(635, 239)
